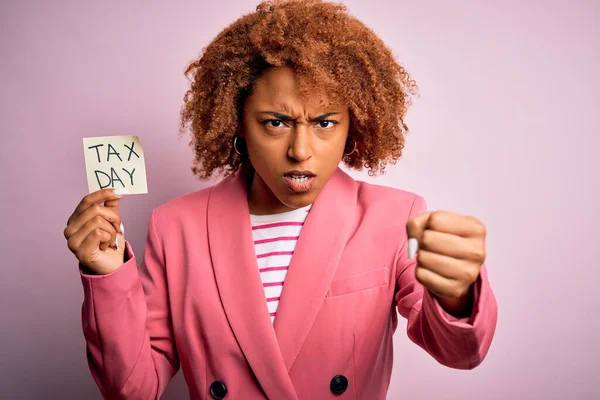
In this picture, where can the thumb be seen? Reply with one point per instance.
(112, 203)
(414, 231)
(122, 231)
(115, 202)
(120, 237)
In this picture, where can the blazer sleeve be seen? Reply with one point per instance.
(460, 343)
(127, 325)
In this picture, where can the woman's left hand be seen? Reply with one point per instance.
(450, 251)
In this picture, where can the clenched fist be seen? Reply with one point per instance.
(94, 232)
(450, 251)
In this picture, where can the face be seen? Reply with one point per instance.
(294, 144)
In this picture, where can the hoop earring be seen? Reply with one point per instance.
(235, 138)
(353, 150)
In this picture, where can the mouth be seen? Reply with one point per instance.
(299, 181)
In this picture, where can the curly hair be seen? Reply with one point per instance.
(325, 46)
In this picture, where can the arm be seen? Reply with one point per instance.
(127, 325)
(460, 343)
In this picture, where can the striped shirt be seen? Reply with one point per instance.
(275, 238)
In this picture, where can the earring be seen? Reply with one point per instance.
(353, 150)
(235, 138)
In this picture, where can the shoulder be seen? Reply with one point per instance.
(387, 199)
(382, 213)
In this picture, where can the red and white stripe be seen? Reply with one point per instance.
(275, 238)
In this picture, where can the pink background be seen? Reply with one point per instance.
(506, 129)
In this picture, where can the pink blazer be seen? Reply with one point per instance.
(197, 302)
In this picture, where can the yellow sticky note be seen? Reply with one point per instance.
(115, 162)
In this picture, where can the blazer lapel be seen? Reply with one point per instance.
(318, 251)
(240, 288)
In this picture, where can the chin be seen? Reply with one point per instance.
(298, 200)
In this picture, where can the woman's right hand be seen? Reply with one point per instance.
(94, 234)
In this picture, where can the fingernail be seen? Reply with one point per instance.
(122, 229)
(120, 192)
(117, 242)
(413, 246)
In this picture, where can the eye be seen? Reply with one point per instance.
(274, 123)
(326, 124)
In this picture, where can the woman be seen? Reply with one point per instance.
(282, 281)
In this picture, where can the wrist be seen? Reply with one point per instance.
(458, 307)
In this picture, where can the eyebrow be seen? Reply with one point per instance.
(284, 117)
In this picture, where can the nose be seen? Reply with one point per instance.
(300, 148)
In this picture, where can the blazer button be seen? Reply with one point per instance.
(218, 390)
(339, 384)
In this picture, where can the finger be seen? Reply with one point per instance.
(449, 244)
(439, 285)
(112, 203)
(447, 267)
(414, 230)
(455, 224)
(96, 197)
(95, 211)
(416, 225)
(93, 241)
(75, 240)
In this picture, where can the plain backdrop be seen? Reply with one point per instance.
(505, 129)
